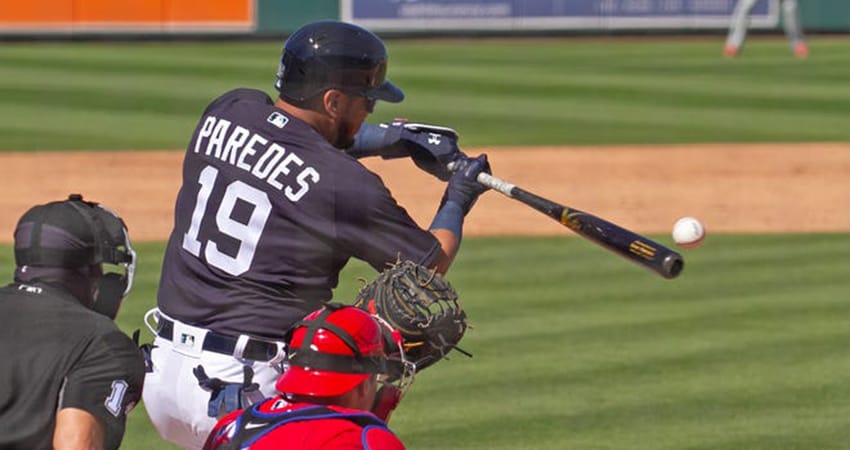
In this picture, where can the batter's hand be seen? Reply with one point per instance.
(463, 187)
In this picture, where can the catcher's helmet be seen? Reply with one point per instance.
(334, 55)
(76, 233)
(333, 350)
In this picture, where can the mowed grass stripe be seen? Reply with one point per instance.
(531, 121)
(91, 129)
(495, 92)
(664, 89)
(142, 57)
(160, 85)
(94, 99)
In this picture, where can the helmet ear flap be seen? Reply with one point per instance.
(109, 293)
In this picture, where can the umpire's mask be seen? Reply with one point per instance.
(73, 234)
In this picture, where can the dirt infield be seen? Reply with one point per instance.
(730, 187)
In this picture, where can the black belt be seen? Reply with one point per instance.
(255, 350)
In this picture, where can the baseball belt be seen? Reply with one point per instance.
(255, 349)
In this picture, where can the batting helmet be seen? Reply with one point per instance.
(76, 233)
(332, 351)
(334, 55)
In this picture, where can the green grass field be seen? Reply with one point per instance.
(495, 92)
(573, 348)
(576, 349)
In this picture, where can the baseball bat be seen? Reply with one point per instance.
(628, 244)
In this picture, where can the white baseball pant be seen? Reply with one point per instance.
(741, 20)
(173, 398)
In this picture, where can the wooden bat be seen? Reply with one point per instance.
(634, 247)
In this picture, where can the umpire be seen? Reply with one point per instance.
(69, 376)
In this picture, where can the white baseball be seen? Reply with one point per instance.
(688, 232)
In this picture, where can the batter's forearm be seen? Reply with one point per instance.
(367, 142)
(377, 140)
(450, 244)
(447, 227)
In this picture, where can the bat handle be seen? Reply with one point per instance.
(485, 179)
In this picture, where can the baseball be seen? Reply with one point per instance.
(688, 232)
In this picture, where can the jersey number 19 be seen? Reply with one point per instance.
(248, 234)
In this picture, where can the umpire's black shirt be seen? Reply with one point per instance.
(59, 354)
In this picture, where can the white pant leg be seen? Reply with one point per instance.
(174, 401)
(740, 23)
(791, 22)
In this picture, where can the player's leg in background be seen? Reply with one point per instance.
(738, 27)
(793, 30)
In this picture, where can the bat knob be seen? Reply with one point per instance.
(672, 265)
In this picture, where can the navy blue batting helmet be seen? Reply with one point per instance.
(334, 55)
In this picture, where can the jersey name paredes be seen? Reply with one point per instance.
(236, 145)
(267, 215)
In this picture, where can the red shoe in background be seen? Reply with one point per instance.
(801, 50)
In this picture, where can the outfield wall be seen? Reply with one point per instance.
(275, 17)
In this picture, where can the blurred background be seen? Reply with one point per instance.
(74, 18)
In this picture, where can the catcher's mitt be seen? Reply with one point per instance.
(421, 305)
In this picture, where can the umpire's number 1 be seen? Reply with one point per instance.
(248, 234)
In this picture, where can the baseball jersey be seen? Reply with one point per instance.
(59, 354)
(268, 214)
(276, 424)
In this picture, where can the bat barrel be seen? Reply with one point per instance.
(672, 265)
(628, 244)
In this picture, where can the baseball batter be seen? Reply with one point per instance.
(741, 19)
(271, 209)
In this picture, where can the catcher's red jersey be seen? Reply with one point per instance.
(276, 424)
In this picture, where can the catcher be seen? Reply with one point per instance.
(350, 366)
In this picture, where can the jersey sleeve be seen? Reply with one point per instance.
(376, 229)
(106, 382)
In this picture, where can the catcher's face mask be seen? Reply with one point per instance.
(400, 372)
(399, 375)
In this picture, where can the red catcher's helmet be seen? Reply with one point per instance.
(332, 351)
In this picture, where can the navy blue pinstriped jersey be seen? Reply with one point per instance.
(268, 214)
